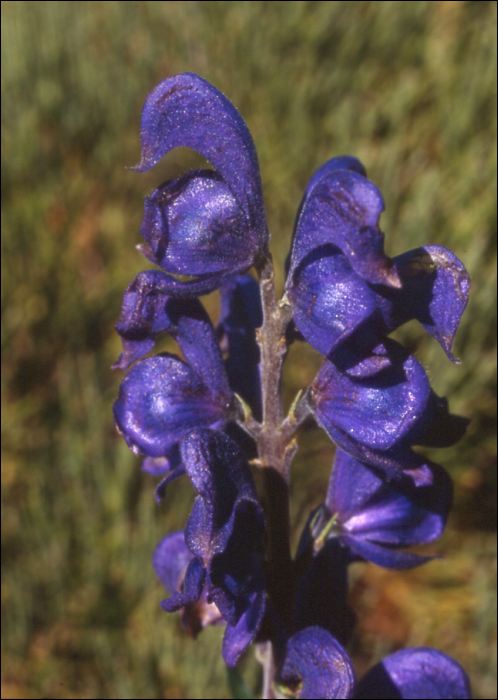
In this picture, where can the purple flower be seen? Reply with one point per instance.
(370, 408)
(341, 282)
(162, 398)
(376, 406)
(224, 534)
(316, 666)
(171, 560)
(417, 672)
(210, 224)
(374, 519)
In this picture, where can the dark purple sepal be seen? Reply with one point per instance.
(343, 210)
(160, 400)
(193, 584)
(143, 316)
(316, 666)
(170, 560)
(240, 315)
(398, 514)
(239, 636)
(174, 474)
(376, 411)
(186, 110)
(435, 290)
(383, 555)
(337, 163)
(148, 310)
(226, 531)
(194, 226)
(169, 466)
(418, 672)
(329, 300)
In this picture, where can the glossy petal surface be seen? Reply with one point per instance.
(160, 400)
(186, 110)
(418, 672)
(329, 299)
(148, 310)
(337, 163)
(399, 513)
(376, 411)
(343, 209)
(195, 226)
(317, 666)
(435, 291)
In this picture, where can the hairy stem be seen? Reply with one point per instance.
(275, 451)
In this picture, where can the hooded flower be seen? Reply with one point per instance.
(224, 534)
(342, 284)
(316, 666)
(374, 519)
(163, 398)
(417, 672)
(208, 223)
(376, 406)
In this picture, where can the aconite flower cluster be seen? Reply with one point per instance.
(214, 414)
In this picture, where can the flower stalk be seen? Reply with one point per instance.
(213, 412)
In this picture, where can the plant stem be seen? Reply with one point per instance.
(272, 443)
(275, 452)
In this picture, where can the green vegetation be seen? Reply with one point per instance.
(409, 88)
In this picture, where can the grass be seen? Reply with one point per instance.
(409, 88)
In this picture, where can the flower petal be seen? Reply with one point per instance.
(148, 310)
(160, 400)
(377, 411)
(186, 110)
(193, 584)
(328, 298)
(238, 637)
(226, 529)
(384, 556)
(435, 291)
(418, 672)
(337, 163)
(316, 666)
(397, 513)
(195, 226)
(343, 209)
(171, 559)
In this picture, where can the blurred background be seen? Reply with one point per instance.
(410, 89)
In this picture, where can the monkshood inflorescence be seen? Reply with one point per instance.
(215, 415)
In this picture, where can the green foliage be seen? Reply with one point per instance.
(409, 88)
